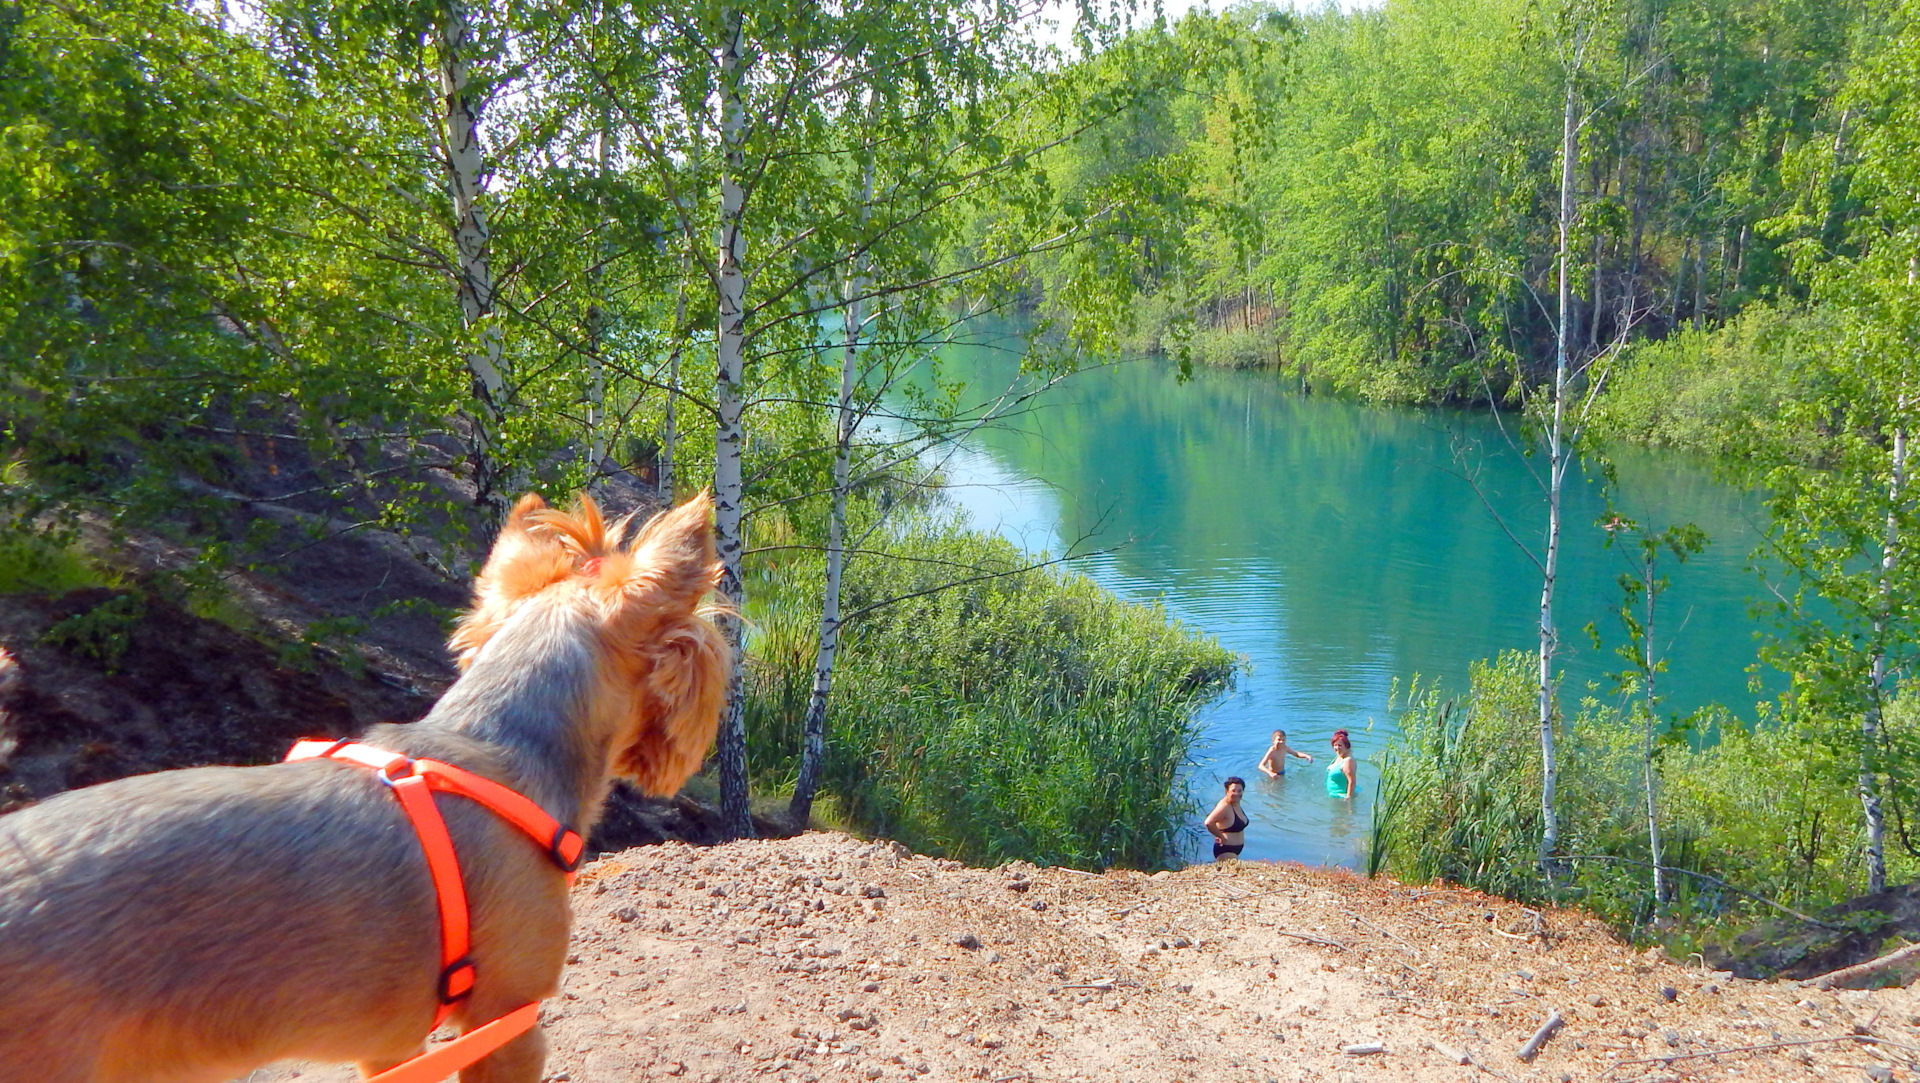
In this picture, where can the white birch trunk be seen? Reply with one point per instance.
(814, 730)
(1558, 454)
(729, 437)
(1874, 816)
(1646, 763)
(474, 283)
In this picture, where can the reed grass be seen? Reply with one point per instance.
(1766, 807)
(1029, 715)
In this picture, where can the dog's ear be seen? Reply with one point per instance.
(673, 555)
(674, 658)
(525, 560)
(679, 704)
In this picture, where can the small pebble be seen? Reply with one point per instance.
(1669, 993)
(1596, 999)
(968, 941)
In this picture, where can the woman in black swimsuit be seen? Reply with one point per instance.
(1226, 823)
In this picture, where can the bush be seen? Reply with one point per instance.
(1716, 391)
(1757, 809)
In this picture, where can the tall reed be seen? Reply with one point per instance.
(1028, 714)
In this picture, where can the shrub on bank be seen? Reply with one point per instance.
(1767, 809)
(1023, 714)
(1716, 391)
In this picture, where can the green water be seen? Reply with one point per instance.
(1339, 549)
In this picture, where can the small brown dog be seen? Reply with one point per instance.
(192, 925)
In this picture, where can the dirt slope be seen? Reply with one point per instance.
(827, 958)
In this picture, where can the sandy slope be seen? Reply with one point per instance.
(827, 958)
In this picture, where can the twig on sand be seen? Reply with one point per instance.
(1313, 939)
(1489, 1069)
(1671, 1057)
(1554, 1022)
(1395, 937)
(1452, 1054)
(1102, 984)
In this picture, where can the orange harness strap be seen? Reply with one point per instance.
(413, 782)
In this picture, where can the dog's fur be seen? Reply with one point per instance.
(191, 925)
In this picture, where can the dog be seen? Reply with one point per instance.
(191, 925)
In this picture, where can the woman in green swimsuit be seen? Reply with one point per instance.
(1340, 774)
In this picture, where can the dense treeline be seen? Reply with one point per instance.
(424, 256)
(1374, 197)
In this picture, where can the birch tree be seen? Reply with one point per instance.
(1844, 524)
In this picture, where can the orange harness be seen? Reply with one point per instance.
(413, 782)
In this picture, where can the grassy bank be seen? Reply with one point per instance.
(1021, 714)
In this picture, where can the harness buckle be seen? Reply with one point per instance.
(397, 771)
(456, 981)
(566, 848)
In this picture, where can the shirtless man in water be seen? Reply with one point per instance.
(1274, 763)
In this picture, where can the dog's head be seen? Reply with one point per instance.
(664, 664)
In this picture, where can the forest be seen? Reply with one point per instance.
(435, 254)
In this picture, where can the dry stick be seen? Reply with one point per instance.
(1489, 1069)
(1313, 939)
(1389, 935)
(1449, 1052)
(1364, 1049)
(1742, 1049)
(1554, 1022)
(1862, 970)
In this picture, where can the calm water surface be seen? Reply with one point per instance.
(1338, 548)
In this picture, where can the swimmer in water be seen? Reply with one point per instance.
(1226, 823)
(1341, 779)
(1274, 763)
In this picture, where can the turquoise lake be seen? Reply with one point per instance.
(1338, 548)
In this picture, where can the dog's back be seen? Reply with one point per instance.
(208, 918)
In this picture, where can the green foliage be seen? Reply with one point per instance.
(102, 632)
(1025, 714)
(1722, 391)
(1763, 806)
(40, 563)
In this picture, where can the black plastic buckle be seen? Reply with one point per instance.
(564, 840)
(457, 980)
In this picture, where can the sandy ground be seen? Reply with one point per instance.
(826, 958)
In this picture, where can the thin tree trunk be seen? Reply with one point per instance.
(669, 424)
(1870, 722)
(736, 818)
(475, 285)
(597, 324)
(1700, 284)
(1679, 284)
(1653, 698)
(1557, 456)
(814, 730)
